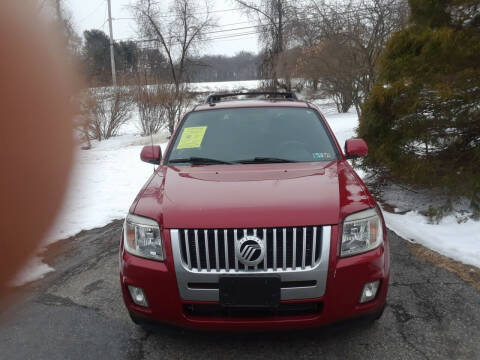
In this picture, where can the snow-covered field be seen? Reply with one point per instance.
(106, 179)
(224, 86)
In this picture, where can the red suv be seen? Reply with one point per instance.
(254, 219)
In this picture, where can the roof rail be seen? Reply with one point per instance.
(215, 98)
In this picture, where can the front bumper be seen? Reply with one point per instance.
(345, 280)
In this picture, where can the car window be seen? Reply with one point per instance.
(231, 135)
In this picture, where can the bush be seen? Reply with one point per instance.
(422, 118)
(151, 107)
(108, 112)
(84, 102)
(176, 103)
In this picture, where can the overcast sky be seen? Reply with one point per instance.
(92, 14)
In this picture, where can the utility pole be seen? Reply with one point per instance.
(112, 52)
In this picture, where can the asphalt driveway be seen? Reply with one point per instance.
(77, 313)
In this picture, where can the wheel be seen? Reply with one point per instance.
(142, 323)
(135, 318)
(379, 314)
(376, 316)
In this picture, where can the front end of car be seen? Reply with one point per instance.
(255, 278)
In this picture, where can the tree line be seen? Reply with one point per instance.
(332, 46)
(135, 63)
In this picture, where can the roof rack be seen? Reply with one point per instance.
(271, 95)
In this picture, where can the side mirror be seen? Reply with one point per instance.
(151, 154)
(355, 148)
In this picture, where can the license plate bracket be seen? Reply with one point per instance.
(250, 291)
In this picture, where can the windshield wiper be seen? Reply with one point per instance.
(199, 160)
(264, 160)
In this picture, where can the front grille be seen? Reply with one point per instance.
(285, 309)
(288, 248)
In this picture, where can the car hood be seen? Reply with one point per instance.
(255, 195)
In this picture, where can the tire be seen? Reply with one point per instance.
(378, 315)
(142, 323)
(136, 320)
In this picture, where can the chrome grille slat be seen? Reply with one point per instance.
(265, 261)
(189, 262)
(275, 249)
(285, 249)
(236, 257)
(225, 244)
(314, 246)
(207, 249)
(294, 254)
(217, 264)
(197, 250)
(304, 247)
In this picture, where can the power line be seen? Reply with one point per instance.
(237, 23)
(244, 28)
(205, 33)
(219, 39)
(331, 13)
(170, 15)
(93, 12)
(201, 40)
(105, 18)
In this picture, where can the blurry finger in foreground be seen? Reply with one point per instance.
(36, 141)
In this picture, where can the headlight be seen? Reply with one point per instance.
(142, 238)
(362, 232)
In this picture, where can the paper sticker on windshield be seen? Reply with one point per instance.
(192, 137)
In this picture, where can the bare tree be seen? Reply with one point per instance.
(60, 17)
(275, 19)
(331, 65)
(286, 67)
(176, 38)
(108, 112)
(354, 30)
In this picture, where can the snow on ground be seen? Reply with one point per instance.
(208, 87)
(457, 241)
(106, 179)
(35, 269)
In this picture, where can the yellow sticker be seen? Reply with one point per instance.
(192, 137)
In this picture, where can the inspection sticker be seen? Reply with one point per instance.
(192, 137)
(321, 156)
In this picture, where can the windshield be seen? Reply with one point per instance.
(252, 135)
